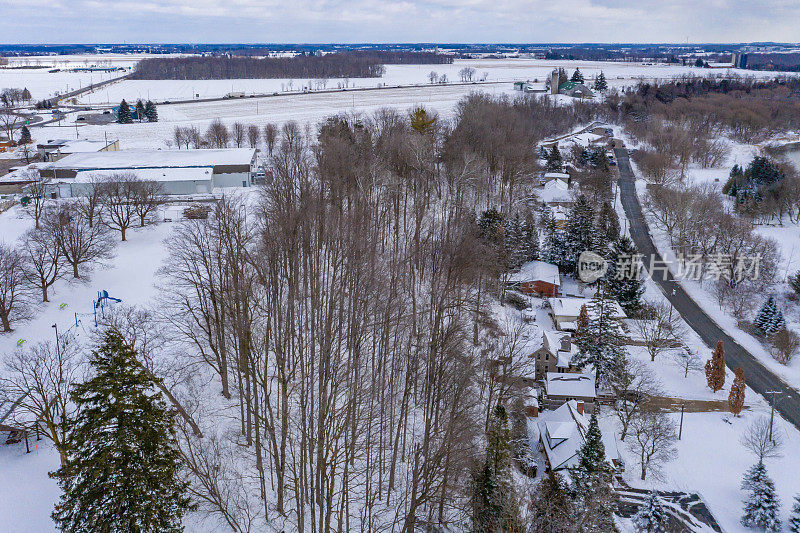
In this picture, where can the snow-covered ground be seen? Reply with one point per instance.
(43, 84)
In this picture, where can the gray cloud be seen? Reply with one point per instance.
(42, 21)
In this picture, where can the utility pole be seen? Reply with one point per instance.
(772, 413)
(680, 428)
(58, 348)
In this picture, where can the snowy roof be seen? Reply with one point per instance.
(537, 271)
(556, 175)
(570, 384)
(155, 159)
(562, 434)
(555, 190)
(149, 174)
(571, 307)
(552, 342)
(76, 146)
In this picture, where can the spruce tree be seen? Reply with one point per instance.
(591, 485)
(794, 283)
(607, 230)
(762, 506)
(554, 247)
(494, 501)
(580, 232)
(555, 162)
(25, 135)
(121, 472)
(139, 110)
(625, 282)
(577, 76)
(600, 83)
(770, 319)
(150, 111)
(600, 344)
(551, 508)
(124, 113)
(715, 369)
(651, 516)
(794, 518)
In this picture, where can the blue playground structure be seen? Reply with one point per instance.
(103, 299)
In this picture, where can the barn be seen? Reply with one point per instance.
(538, 278)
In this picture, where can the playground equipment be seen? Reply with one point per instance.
(103, 299)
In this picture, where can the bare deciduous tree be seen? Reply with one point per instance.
(270, 136)
(659, 328)
(147, 196)
(253, 135)
(687, 361)
(41, 377)
(217, 135)
(634, 385)
(38, 190)
(756, 438)
(15, 293)
(44, 263)
(80, 243)
(118, 194)
(238, 134)
(653, 441)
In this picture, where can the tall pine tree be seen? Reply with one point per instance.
(554, 247)
(124, 113)
(139, 110)
(794, 518)
(762, 506)
(551, 509)
(591, 485)
(577, 76)
(624, 275)
(770, 319)
(600, 83)
(122, 468)
(150, 111)
(555, 163)
(600, 342)
(580, 231)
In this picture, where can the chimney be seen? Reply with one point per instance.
(579, 404)
(566, 344)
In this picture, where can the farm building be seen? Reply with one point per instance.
(536, 277)
(55, 149)
(178, 171)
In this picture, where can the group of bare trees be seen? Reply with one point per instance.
(713, 243)
(345, 316)
(218, 135)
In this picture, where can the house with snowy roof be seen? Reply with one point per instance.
(565, 311)
(562, 433)
(555, 354)
(536, 277)
(560, 388)
(556, 192)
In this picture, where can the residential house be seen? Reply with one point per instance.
(555, 192)
(55, 149)
(562, 433)
(536, 277)
(576, 90)
(555, 354)
(565, 311)
(560, 388)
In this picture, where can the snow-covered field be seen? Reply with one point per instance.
(43, 84)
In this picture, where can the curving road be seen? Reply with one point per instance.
(759, 378)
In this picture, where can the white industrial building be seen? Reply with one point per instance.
(178, 171)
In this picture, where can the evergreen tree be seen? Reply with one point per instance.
(600, 83)
(601, 343)
(25, 136)
(580, 231)
(591, 485)
(124, 113)
(121, 473)
(494, 502)
(607, 230)
(521, 241)
(794, 283)
(151, 112)
(715, 369)
(555, 162)
(762, 507)
(624, 279)
(139, 110)
(736, 396)
(577, 76)
(551, 508)
(554, 248)
(651, 516)
(770, 319)
(794, 518)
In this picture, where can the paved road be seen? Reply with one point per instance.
(759, 378)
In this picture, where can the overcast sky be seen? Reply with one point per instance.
(347, 21)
